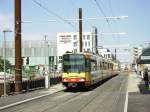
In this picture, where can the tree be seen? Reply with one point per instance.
(8, 65)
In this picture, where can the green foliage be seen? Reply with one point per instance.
(8, 65)
(29, 71)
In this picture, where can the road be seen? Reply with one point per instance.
(109, 96)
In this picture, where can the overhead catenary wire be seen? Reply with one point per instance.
(101, 10)
(111, 10)
(110, 6)
(73, 19)
(51, 12)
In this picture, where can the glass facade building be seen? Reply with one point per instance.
(40, 52)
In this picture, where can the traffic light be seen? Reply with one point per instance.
(27, 61)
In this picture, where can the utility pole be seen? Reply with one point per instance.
(18, 57)
(94, 40)
(80, 29)
(115, 55)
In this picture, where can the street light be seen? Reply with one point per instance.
(47, 83)
(48, 67)
(4, 54)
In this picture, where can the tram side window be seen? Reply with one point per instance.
(98, 65)
(93, 65)
(112, 66)
(103, 65)
(87, 65)
(108, 65)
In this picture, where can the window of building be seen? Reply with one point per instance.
(60, 57)
(83, 37)
(88, 37)
(85, 44)
(60, 61)
(89, 44)
(74, 44)
(88, 49)
(74, 37)
(105, 55)
(75, 50)
(108, 55)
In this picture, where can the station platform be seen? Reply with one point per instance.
(138, 94)
(13, 100)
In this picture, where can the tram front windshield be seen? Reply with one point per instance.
(73, 63)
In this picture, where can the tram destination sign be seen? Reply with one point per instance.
(145, 57)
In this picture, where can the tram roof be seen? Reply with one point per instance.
(85, 53)
(92, 56)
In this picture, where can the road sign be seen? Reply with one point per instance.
(145, 57)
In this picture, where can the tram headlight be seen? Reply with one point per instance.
(64, 80)
(82, 80)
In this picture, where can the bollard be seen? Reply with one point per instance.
(47, 84)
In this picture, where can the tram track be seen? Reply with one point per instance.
(100, 97)
(106, 96)
(63, 102)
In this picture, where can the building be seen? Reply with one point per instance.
(69, 41)
(137, 51)
(106, 53)
(38, 52)
(144, 60)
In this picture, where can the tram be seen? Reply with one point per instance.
(86, 69)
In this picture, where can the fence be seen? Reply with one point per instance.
(29, 85)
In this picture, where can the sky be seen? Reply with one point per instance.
(136, 26)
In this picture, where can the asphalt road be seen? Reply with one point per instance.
(106, 97)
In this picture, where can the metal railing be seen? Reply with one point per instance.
(30, 85)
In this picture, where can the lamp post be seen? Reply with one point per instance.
(48, 67)
(46, 70)
(4, 57)
(45, 36)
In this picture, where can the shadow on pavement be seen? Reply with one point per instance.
(143, 89)
(91, 88)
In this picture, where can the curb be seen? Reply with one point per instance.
(27, 100)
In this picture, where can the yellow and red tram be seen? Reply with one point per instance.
(85, 69)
